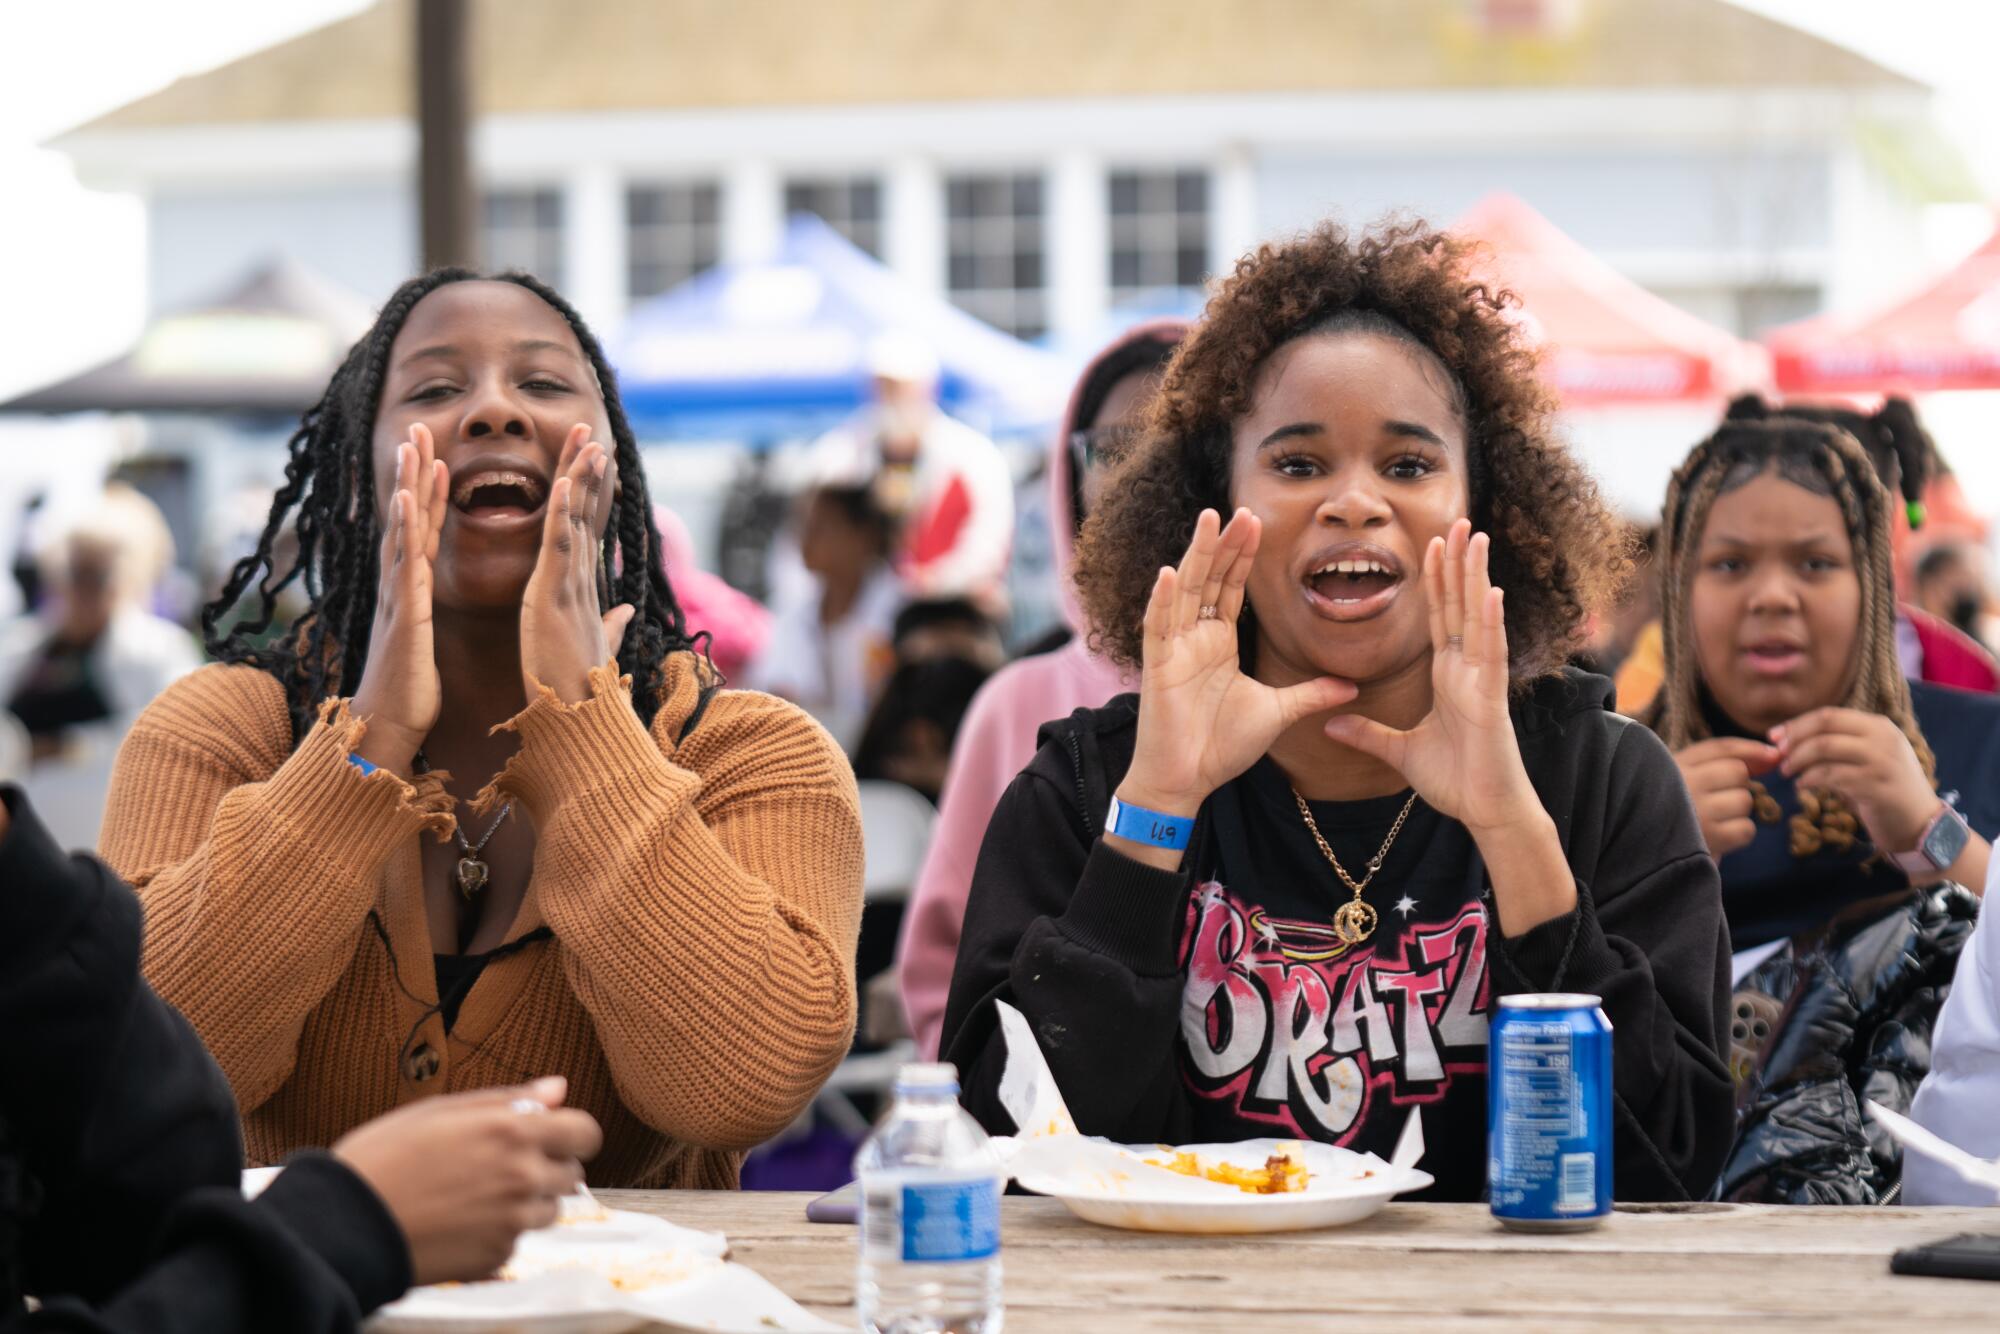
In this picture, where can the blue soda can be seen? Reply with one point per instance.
(1548, 1113)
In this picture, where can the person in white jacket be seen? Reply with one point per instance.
(1959, 1101)
(947, 486)
(77, 671)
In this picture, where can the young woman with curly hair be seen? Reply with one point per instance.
(1357, 797)
(655, 884)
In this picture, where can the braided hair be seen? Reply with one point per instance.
(329, 495)
(1905, 457)
(1827, 462)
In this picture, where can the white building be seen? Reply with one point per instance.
(1042, 159)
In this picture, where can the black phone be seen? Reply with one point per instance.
(836, 1206)
(1968, 1255)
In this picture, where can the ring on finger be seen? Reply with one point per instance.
(1454, 641)
(1209, 612)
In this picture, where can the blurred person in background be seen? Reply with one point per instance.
(93, 655)
(832, 643)
(948, 628)
(77, 671)
(1844, 804)
(737, 625)
(636, 879)
(1950, 584)
(121, 1192)
(1923, 496)
(999, 735)
(946, 486)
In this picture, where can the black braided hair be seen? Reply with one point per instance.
(329, 493)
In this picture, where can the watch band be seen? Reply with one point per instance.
(1946, 833)
(1155, 829)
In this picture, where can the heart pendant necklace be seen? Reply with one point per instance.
(472, 870)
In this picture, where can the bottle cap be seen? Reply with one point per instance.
(923, 1075)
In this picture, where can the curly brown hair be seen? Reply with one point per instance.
(1556, 549)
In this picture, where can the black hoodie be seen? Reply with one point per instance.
(120, 1158)
(1213, 1004)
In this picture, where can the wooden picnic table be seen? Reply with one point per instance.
(1429, 1267)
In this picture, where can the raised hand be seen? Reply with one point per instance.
(465, 1175)
(1201, 720)
(564, 632)
(399, 695)
(1462, 759)
(1718, 773)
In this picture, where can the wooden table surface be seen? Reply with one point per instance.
(1430, 1267)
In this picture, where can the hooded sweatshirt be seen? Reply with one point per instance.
(997, 738)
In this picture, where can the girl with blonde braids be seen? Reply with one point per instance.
(1815, 767)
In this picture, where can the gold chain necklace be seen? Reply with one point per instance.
(1354, 921)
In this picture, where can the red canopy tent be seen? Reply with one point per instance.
(1606, 339)
(1944, 336)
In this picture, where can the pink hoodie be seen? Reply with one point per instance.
(996, 741)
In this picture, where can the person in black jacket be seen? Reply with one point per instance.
(121, 1207)
(1395, 804)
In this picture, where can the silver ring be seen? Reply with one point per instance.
(1209, 613)
(1454, 641)
(527, 1106)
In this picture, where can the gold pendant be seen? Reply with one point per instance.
(471, 876)
(1354, 921)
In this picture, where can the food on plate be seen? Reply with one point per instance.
(627, 1274)
(1281, 1174)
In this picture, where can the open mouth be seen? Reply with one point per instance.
(1774, 658)
(1352, 580)
(498, 494)
(1352, 583)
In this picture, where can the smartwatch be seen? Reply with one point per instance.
(1944, 838)
(1153, 828)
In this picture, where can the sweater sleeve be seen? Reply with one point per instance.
(257, 868)
(1066, 929)
(707, 904)
(313, 1255)
(1648, 938)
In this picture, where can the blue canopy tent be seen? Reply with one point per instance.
(777, 349)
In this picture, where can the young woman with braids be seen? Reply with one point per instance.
(1825, 784)
(1815, 766)
(1356, 795)
(656, 887)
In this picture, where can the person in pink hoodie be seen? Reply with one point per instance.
(997, 738)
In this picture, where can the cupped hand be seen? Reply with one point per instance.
(564, 632)
(1201, 720)
(399, 694)
(1462, 759)
(1718, 773)
(1864, 759)
(465, 1175)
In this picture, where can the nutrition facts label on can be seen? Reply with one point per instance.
(1544, 1106)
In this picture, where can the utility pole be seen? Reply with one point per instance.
(444, 120)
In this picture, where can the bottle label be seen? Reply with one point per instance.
(936, 1221)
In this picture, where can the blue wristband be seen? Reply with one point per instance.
(1153, 828)
(361, 764)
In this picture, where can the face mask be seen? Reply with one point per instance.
(1964, 613)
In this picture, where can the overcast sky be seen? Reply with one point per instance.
(73, 288)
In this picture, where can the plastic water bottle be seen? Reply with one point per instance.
(930, 1214)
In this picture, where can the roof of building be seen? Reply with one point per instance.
(545, 56)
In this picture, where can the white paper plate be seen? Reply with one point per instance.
(566, 1285)
(1345, 1187)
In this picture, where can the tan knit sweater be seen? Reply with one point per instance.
(704, 898)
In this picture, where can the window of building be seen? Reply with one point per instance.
(852, 207)
(1159, 231)
(995, 250)
(673, 232)
(523, 229)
